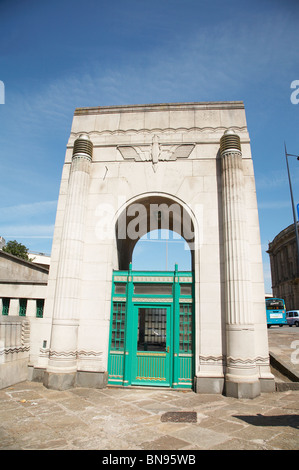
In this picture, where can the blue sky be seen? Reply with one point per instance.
(59, 55)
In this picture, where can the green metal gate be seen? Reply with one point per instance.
(151, 345)
(152, 329)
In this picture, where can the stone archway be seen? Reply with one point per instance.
(196, 156)
(148, 212)
(152, 326)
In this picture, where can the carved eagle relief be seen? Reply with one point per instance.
(155, 152)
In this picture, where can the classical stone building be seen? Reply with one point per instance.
(23, 289)
(283, 260)
(129, 170)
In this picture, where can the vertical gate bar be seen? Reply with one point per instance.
(176, 327)
(129, 330)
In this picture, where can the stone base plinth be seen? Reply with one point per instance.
(242, 389)
(218, 385)
(63, 381)
(91, 379)
(267, 385)
(209, 385)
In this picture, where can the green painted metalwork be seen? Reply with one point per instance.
(152, 329)
(151, 344)
(22, 307)
(40, 308)
(5, 306)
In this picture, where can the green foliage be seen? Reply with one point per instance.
(16, 249)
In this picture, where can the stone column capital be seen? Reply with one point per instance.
(83, 147)
(230, 143)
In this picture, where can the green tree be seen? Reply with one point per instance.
(16, 249)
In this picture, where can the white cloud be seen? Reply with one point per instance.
(222, 60)
(27, 231)
(26, 210)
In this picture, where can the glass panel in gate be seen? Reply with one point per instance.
(185, 345)
(152, 329)
(117, 343)
(152, 364)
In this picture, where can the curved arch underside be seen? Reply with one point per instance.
(149, 213)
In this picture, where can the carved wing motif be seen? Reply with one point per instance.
(182, 151)
(173, 152)
(155, 152)
(128, 152)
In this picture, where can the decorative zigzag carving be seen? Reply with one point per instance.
(260, 360)
(72, 354)
(24, 337)
(20, 349)
(158, 130)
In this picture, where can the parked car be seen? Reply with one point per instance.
(293, 317)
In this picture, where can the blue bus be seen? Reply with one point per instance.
(276, 312)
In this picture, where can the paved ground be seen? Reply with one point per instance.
(33, 417)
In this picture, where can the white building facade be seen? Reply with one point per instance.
(187, 167)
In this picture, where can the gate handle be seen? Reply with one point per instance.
(167, 350)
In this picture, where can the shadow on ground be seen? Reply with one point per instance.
(281, 420)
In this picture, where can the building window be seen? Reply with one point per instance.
(40, 308)
(23, 307)
(5, 306)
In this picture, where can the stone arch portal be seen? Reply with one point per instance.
(151, 212)
(151, 339)
(186, 167)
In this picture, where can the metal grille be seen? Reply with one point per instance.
(39, 308)
(118, 326)
(23, 307)
(179, 417)
(152, 329)
(5, 306)
(185, 328)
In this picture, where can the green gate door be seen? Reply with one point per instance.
(152, 345)
(151, 329)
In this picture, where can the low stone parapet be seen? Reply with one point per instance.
(14, 349)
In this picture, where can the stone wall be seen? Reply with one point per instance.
(14, 350)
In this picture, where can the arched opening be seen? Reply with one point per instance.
(161, 250)
(151, 215)
(152, 308)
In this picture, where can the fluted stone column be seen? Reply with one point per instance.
(241, 373)
(62, 365)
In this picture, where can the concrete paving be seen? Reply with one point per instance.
(33, 417)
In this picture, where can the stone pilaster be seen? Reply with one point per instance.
(241, 372)
(63, 347)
